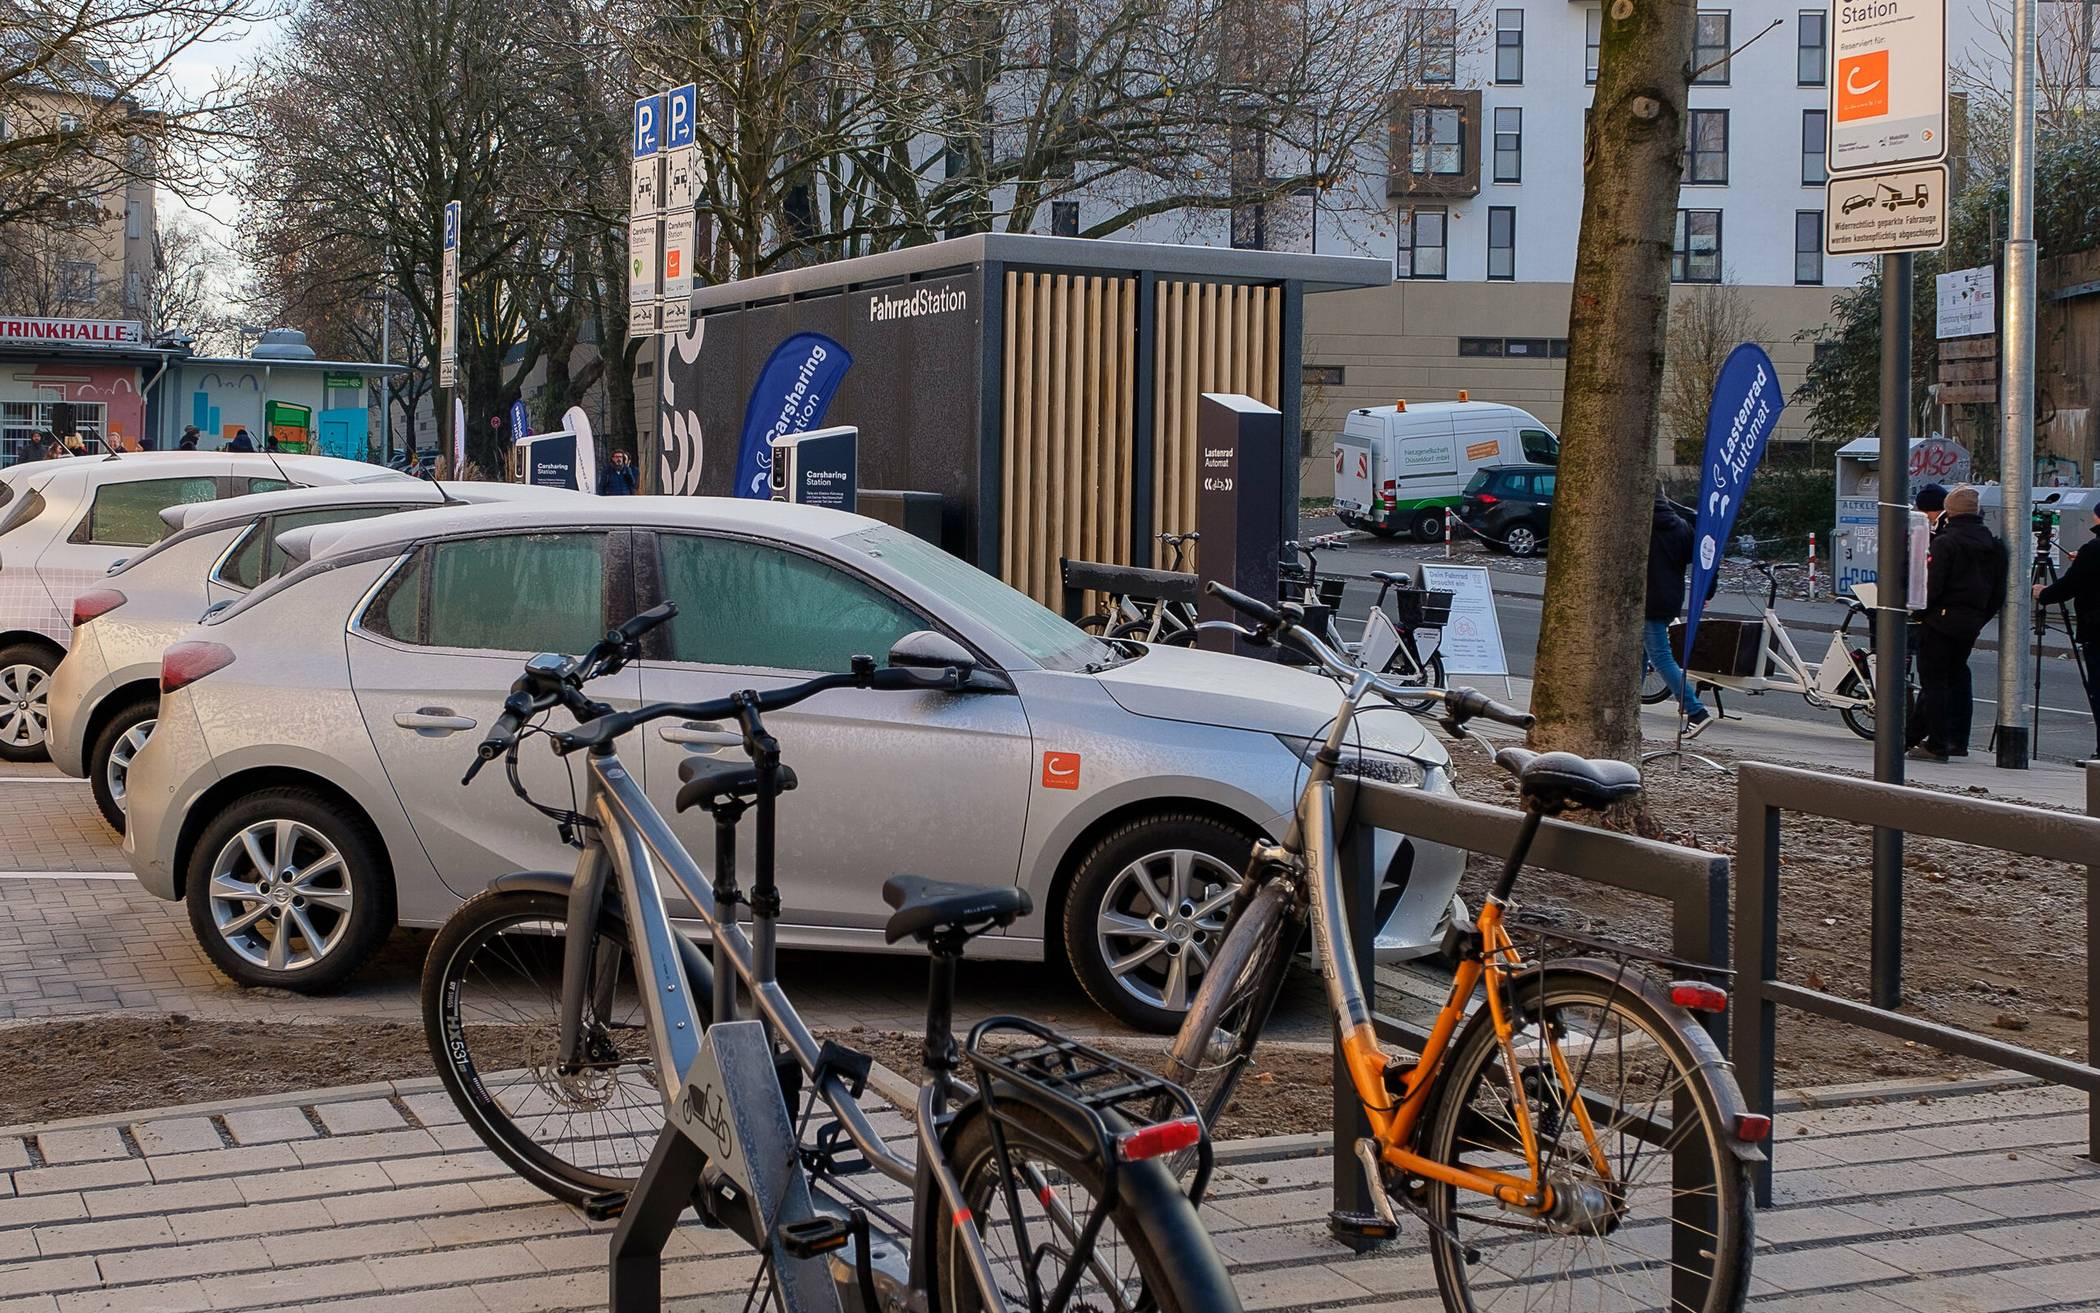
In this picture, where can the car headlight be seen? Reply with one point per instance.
(1364, 763)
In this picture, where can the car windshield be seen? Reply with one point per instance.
(1049, 639)
(1478, 483)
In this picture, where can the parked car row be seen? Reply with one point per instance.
(277, 698)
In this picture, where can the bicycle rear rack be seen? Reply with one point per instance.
(1110, 1097)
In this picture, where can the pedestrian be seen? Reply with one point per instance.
(73, 446)
(621, 479)
(1669, 555)
(241, 441)
(190, 435)
(2080, 586)
(1964, 587)
(41, 446)
(1931, 499)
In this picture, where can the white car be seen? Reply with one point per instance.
(301, 790)
(64, 523)
(103, 696)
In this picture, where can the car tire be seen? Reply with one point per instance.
(1110, 914)
(337, 938)
(109, 756)
(1522, 540)
(1429, 526)
(25, 691)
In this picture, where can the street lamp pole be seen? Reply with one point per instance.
(386, 355)
(2016, 416)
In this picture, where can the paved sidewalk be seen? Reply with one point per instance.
(375, 1199)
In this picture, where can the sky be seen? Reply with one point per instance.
(193, 73)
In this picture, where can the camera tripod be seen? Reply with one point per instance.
(2043, 571)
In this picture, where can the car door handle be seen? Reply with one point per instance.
(433, 721)
(705, 733)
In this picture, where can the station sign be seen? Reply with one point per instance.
(1888, 84)
(448, 302)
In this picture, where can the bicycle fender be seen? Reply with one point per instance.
(1729, 1103)
(556, 883)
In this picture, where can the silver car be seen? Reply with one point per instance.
(63, 523)
(302, 794)
(104, 695)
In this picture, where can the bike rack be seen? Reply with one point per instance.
(1763, 791)
(1694, 883)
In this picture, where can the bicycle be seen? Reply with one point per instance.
(1039, 1188)
(1152, 619)
(1389, 644)
(1544, 1103)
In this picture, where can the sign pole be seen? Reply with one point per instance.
(1891, 622)
(2016, 416)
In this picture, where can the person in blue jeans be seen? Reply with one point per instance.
(1669, 555)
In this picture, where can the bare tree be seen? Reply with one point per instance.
(187, 265)
(2066, 80)
(1707, 321)
(1587, 692)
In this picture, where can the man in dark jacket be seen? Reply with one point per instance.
(621, 478)
(1964, 587)
(1669, 554)
(2080, 586)
(241, 442)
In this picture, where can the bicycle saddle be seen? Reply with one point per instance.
(924, 906)
(711, 782)
(1556, 781)
(1397, 578)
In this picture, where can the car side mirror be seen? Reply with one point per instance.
(924, 649)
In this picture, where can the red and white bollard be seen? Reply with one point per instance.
(1811, 567)
(1447, 533)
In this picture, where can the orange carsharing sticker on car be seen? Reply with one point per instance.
(1060, 770)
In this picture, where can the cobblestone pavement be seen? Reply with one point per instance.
(376, 1200)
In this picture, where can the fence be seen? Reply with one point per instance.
(1763, 791)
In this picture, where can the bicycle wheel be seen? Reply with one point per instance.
(1151, 1252)
(1209, 1053)
(1097, 623)
(492, 1014)
(1136, 629)
(1426, 674)
(1653, 690)
(1669, 1226)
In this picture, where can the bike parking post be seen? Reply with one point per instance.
(1359, 898)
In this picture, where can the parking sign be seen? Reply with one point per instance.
(1888, 85)
(648, 126)
(448, 301)
(680, 104)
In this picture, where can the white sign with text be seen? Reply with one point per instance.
(1472, 641)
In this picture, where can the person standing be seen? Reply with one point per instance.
(621, 480)
(1932, 500)
(191, 434)
(2080, 586)
(1669, 555)
(241, 441)
(1964, 587)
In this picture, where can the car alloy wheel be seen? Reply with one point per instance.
(24, 714)
(116, 772)
(280, 895)
(1160, 920)
(1522, 541)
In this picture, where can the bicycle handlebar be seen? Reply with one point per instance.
(606, 728)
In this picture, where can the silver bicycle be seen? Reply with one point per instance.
(621, 1070)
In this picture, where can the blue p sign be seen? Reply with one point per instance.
(451, 225)
(648, 126)
(682, 103)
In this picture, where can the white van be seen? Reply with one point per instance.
(1397, 467)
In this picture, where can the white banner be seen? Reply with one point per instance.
(1472, 642)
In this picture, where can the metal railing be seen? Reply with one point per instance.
(1764, 791)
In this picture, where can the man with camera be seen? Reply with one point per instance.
(2080, 586)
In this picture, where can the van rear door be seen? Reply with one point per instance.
(1355, 471)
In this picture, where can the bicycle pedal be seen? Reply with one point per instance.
(814, 1235)
(1345, 1225)
(605, 1207)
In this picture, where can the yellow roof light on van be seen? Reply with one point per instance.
(1399, 405)
(1462, 394)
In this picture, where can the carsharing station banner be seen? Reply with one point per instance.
(1746, 405)
(792, 393)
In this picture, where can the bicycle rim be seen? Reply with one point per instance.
(1641, 1238)
(1209, 1053)
(493, 1010)
(1428, 674)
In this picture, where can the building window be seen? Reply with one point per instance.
(1809, 55)
(69, 123)
(1710, 49)
(1436, 140)
(1509, 144)
(1421, 250)
(1695, 256)
(1706, 147)
(134, 290)
(1324, 376)
(1808, 247)
(134, 220)
(1815, 140)
(1480, 346)
(1064, 218)
(1509, 45)
(76, 280)
(1432, 40)
(1502, 242)
(1592, 41)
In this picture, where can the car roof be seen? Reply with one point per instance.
(149, 463)
(388, 492)
(1521, 467)
(807, 524)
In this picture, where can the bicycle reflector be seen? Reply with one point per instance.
(94, 602)
(1158, 1138)
(1698, 996)
(187, 662)
(1753, 1127)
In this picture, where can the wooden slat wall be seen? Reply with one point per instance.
(1212, 337)
(1069, 424)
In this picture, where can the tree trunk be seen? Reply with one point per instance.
(1587, 695)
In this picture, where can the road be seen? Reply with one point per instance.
(2067, 732)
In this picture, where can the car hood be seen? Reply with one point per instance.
(1213, 688)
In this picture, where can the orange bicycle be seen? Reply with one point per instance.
(1579, 1141)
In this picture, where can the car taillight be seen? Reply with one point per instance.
(1699, 996)
(1392, 487)
(187, 662)
(1159, 1138)
(1486, 498)
(94, 602)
